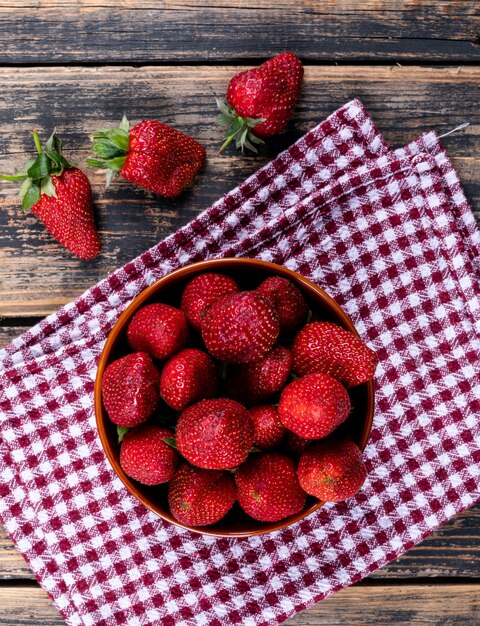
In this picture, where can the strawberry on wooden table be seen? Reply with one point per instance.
(188, 376)
(151, 155)
(203, 291)
(199, 497)
(146, 457)
(328, 348)
(267, 487)
(260, 101)
(60, 195)
(158, 329)
(130, 389)
(215, 434)
(314, 406)
(332, 470)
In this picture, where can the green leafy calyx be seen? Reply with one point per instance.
(111, 147)
(171, 442)
(239, 129)
(36, 179)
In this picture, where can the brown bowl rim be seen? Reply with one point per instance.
(182, 272)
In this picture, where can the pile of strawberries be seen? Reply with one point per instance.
(233, 397)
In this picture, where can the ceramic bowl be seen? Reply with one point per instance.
(249, 273)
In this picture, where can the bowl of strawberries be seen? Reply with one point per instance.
(234, 397)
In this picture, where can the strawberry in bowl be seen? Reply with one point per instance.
(239, 410)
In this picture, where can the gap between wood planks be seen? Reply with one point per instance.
(249, 61)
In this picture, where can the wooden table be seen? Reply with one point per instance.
(80, 65)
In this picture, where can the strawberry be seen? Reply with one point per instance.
(215, 434)
(332, 470)
(253, 383)
(260, 101)
(130, 389)
(267, 487)
(158, 329)
(60, 195)
(313, 406)
(151, 155)
(295, 445)
(188, 376)
(240, 328)
(144, 455)
(199, 497)
(268, 430)
(287, 300)
(203, 291)
(327, 348)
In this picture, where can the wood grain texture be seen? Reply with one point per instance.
(412, 605)
(407, 605)
(37, 275)
(146, 31)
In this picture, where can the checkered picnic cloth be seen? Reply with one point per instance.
(391, 236)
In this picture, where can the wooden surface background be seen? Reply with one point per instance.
(81, 65)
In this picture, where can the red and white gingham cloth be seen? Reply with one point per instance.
(391, 236)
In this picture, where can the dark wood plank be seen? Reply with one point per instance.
(7, 333)
(37, 275)
(27, 606)
(59, 31)
(408, 605)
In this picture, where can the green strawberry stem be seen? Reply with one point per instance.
(227, 141)
(111, 147)
(13, 177)
(37, 177)
(239, 128)
(171, 442)
(121, 432)
(36, 140)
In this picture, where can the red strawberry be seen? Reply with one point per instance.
(261, 101)
(328, 348)
(130, 389)
(202, 292)
(240, 328)
(256, 382)
(332, 470)
(146, 457)
(268, 488)
(60, 195)
(199, 497)
(295, 445)
(151, 155)
(187, 377)
(268, 430)
(287, 301)
(313, 406)
(159, 329)
(215, 434)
